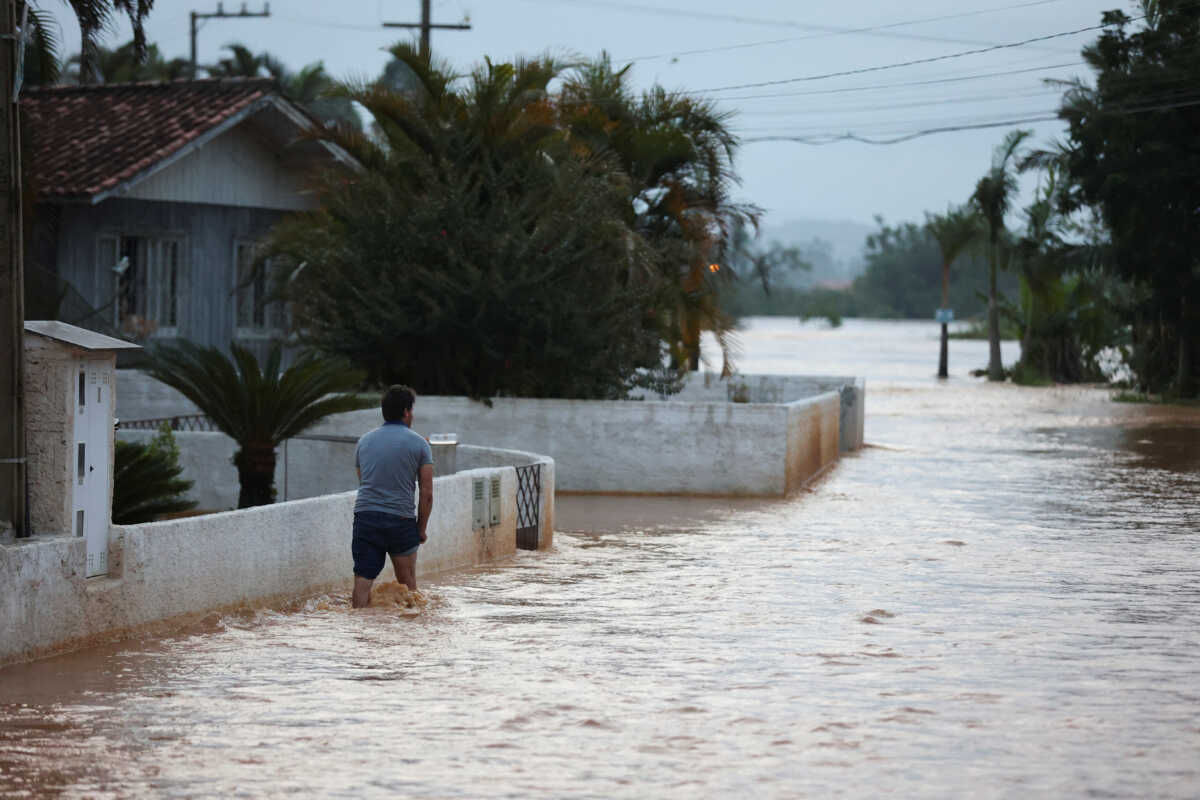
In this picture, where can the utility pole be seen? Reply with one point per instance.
(12, 273)
(426, 25)
(220, 14)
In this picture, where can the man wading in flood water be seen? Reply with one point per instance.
(390, 460)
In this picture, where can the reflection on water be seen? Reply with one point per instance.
(998, 599)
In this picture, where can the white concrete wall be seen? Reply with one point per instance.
(700, 444)
(626, 446)
(812, 438)
(162, 570)
(472, 457)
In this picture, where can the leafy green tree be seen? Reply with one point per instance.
(752, 261)
(257, 406)
(1131, 155)
(954, 232)
(1067, 312)
(898, 282)
(993, 197)
(484, 249)
(146, 482)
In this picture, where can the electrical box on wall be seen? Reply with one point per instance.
(478, 500)
(494, 501)
(74, 451)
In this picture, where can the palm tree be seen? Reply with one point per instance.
(42, 60)
(124, 65)
(311, 88)
(677, 153)
(257, 407)
(954, 231)
(993, 197)
(95, 17)
(240, 63)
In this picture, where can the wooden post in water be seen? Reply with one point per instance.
(944, 356)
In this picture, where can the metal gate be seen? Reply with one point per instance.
(529, 505)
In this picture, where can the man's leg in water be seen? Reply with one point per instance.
(362, 592)
(406, 570)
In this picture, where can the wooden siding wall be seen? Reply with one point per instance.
(234, 169)
(208, 277)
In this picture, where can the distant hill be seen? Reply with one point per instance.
(838, 263)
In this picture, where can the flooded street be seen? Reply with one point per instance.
(997, 598)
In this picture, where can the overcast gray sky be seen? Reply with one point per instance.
(772, 50)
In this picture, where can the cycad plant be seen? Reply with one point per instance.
(146, 480)
(257, 406)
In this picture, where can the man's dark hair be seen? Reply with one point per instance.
(396, 400)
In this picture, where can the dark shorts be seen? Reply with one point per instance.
(377, 535)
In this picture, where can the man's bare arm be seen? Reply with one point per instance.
(425, 500)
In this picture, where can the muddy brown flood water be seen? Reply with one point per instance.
(999, 598)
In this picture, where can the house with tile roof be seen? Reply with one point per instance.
(150, 199)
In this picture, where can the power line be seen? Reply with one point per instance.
(832, 138)
(891, 125)
(897, 65)
(852, 137)
(936, 102)
(832, 30)
(1182, 91)
(324, 23)
(904, 84)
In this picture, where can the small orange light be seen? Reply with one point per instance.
(714, 267)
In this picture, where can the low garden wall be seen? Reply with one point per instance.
(645, 447)
(169, 570)
(754, 435)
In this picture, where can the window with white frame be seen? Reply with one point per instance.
(147, 282)
(256, 313)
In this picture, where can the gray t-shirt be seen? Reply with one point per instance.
(389, 458)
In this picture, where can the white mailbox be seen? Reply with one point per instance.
(70, 382)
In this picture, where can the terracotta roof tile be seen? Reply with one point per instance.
(83, 140)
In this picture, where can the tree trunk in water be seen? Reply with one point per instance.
(995, 365)
(256, 474)
(1027, 357)
(944, 358)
